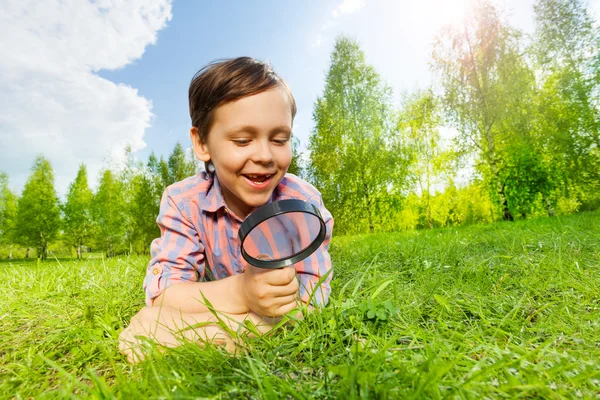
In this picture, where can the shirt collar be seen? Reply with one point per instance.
(214, 196)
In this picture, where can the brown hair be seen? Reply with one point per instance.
(227, 80)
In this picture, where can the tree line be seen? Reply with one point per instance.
(525, 109)
(119, 217)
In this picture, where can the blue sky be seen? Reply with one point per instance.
(81, 79)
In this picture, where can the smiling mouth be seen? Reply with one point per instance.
(258, 178)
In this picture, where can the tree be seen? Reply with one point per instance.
(295, 167)
(38, 216)
(108, 212)
(127, 186)
(420, 121)
(356, 153)
(78, 226)
(148, 189)
(488, 91)
(180, 165)
(567, 51)
(8, 213)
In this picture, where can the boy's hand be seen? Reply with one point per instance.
(270, 292)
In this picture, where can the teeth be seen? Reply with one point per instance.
(258, 176)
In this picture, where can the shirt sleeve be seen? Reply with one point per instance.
(313, 268)
(177, 256)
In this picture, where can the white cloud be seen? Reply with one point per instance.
(346, 7)
(51, 100)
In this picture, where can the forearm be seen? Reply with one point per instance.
(169, 327)
(224, 295)
(208, 325)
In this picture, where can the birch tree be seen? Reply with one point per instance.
(487, 90)
(356, 153)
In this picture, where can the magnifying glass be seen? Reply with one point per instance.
(281, 233)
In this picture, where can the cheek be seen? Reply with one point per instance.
(235, 156)
(284, 156)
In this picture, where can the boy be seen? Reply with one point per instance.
(242, 114)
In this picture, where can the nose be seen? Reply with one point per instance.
(262, 153)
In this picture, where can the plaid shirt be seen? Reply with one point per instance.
(199, 237)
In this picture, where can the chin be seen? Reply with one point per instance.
(257, 201)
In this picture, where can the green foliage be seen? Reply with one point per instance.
(488, 89)
(180, 165)
(8, 211)
(454, 206)
(295, 165)
(160, 170)
(148, 189)
(109, 213)
(420, 120)
(356, 152)
(38, 217)
(567, 54)
(78, 224)
(377, 311)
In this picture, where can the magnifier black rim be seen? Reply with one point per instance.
(274, 209)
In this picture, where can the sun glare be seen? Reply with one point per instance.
(445, 12)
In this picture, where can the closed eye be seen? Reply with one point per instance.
(281, 142)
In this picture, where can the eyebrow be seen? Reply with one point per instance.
(253, 130)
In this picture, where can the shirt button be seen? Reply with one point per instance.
(155, 271)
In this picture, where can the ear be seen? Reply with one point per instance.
(200, 149)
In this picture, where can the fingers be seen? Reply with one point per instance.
(280, 306)
(281, 277)
(274, 292)
(282, 301)
(286, 308)
(273, 277)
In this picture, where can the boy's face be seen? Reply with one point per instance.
(249, 145)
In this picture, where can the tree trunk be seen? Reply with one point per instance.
(10, 252)
(506, 215)
(27, 253)
(79, 251)
(428, 198)
(369, 210)
(43, 247)
(549, 208)
(428, 211)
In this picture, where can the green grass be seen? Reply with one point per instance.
(504, 310)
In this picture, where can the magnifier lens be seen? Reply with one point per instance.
(282, 236)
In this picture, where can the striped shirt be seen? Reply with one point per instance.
(199, 238)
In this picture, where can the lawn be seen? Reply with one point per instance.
(503, 310)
